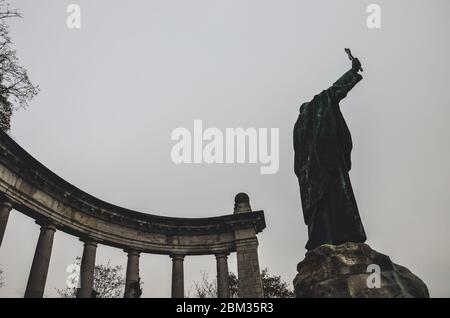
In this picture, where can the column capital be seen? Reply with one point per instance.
(5, 203)
(88, 241)
(177, 256)
(46, 225)
(222, 254)
(132, 252)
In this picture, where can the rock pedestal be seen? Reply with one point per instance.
(351, 270)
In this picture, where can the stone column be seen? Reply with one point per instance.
(39, 268)
(5, 209)
(132, 280)
(87, 270)
(249, 275)
(177, 276)
(223, 285)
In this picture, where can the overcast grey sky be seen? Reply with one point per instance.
(113, 91)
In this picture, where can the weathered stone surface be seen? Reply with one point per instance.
(341, 272)
(32, 189)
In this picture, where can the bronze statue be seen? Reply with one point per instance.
(323, 145)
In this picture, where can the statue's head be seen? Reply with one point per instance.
(303, 107)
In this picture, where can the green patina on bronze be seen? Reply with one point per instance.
(323, 145)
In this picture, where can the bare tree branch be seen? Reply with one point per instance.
(273, 286)
(16, 88)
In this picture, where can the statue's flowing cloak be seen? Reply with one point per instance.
(323, 145)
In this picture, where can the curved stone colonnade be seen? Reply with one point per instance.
(29, 187)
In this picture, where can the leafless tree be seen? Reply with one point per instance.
(273, 286)
(205, 288)
(16, 89)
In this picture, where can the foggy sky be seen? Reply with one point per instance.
(113, 91)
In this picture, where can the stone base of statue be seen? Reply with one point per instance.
(354, 270)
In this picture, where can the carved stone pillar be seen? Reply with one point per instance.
(223, 285)
(5, 210)
(249, 275)
(87, 269)
(132, 281)
(39, 268)
(177, 276)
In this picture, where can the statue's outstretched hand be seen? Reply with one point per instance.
(356, 65)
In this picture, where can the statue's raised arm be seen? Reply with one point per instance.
(347, 81)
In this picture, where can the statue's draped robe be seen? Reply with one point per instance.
(323, 144)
